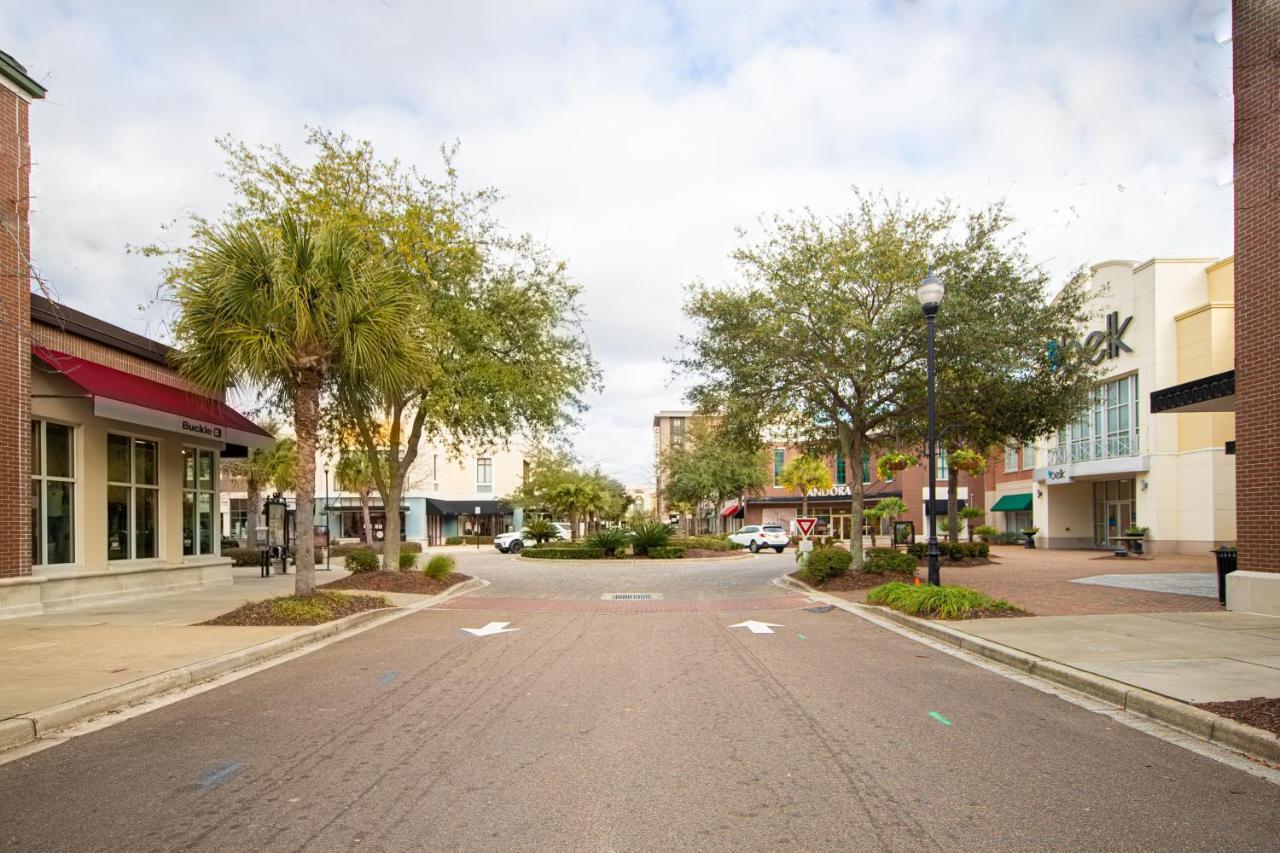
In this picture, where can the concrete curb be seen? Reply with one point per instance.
(1252, 741)
(613, 561)
(25, 728)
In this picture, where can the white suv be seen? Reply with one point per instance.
(757, 536)
(514, 543)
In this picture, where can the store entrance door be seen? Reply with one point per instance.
(1119, 516)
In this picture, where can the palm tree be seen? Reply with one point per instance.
(354, 473)
(804, 474)
(293, 308)
(891, 508)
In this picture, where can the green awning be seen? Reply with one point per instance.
(1013, 503)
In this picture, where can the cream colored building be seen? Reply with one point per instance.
(1159, 324)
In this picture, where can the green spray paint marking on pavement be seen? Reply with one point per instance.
(940, 718)
(801, 636)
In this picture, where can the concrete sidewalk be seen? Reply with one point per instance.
(1192, 657)
(52, 659)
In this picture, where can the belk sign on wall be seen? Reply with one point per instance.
(1097, 345)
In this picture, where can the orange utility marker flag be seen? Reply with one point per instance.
(917, 581)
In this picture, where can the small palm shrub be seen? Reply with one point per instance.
(439, 567)
(882, 560)
(985, 532)
(610, 541)
(826, 563)
(650, 534)
(942, 602)
(362, 560)
(540, 530)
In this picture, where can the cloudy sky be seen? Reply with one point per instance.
(635, 137)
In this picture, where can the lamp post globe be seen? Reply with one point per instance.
(929, 292)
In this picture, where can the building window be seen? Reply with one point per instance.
(132, 498)
(198, 517)
(779, 460)
(238, 517)
(942, 472)
(841, 474)
(677, 432)
(484, 475)
(1011, 459)
(866, 467)
(1106, 429)
(435, 472)
(53, 489)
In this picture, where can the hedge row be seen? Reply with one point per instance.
(564, 553)
(670, 552)
(881, 560)
(468, 540)
(952, 550)
(704, 543)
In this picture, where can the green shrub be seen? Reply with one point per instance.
(826, 563)
(667, 552)
(439, 567)
(468, 540)
(986, 531)
(580, 553)
(363, 560)
(704, 543)
(650, 534)
(407, 560)
(1010, 538)
(881, 560)
(919, 550)
(243, 556)
(313, 609)
(943, 602)
(541, 530)
(610, 541)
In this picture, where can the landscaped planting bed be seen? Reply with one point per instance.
(941, 602)
(412, 582)
(1260, 712)
(292, 610)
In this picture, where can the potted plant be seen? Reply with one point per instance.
(967, 460)
(894, 460)
(1135, 535)
(1226, 558)
(1029, 534)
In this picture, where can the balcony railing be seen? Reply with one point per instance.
(1092, 449)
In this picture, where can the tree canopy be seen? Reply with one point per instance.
(711, 465)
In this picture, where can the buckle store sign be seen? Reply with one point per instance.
(1098, 345)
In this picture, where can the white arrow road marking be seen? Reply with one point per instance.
(491, 628)
(757, 627)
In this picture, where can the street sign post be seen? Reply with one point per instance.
(805, 526)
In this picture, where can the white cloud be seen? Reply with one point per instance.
(634, 137)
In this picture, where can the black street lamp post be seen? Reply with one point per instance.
(929, 292)
(328, 531)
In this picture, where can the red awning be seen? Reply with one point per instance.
(732, 509)
(133, 399)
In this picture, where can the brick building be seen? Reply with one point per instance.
(108, 454)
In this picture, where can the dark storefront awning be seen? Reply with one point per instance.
(125, 397)
(1216, 393)
(1020, 502)
(940, 506)
(356, 508)
(436, 506)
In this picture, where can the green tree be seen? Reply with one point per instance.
(873, 514)
(891, 508)
(803, 474)
(972, 514)
(261, 469)
(712, 466)
(496, 328)
(291, 307)
(354, 473)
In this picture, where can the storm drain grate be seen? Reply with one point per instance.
(631, 596)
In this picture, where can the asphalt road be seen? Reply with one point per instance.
(598, 727)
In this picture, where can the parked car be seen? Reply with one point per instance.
(515, 542)
(757, 536)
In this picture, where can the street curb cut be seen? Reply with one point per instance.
(1252, 741)
(28, 727)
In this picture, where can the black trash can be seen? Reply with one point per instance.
(1226, 564)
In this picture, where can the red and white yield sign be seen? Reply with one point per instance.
(805, 525)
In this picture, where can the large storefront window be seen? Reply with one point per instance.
(132, 498)
(198, 517)
(238, 519)
(53, 487)
(1108, 428)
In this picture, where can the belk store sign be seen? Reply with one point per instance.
(1097, 345)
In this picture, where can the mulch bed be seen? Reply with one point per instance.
(413, 582)
(261, 613)
(1260, 712)
(988, 613)
(850, 581)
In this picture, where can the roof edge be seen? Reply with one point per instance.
(13, 71)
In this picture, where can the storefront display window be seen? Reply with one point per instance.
(132, 498)
(198, 517)
(53, 485)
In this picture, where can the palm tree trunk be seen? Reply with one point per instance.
(306, 421)
(367, 516)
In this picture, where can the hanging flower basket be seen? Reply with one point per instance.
(967, 460)
(894, 461)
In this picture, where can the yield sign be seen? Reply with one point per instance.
(806, 526)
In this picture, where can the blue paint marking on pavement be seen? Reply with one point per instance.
(219, 774)
(386, 678)
(940, 718)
